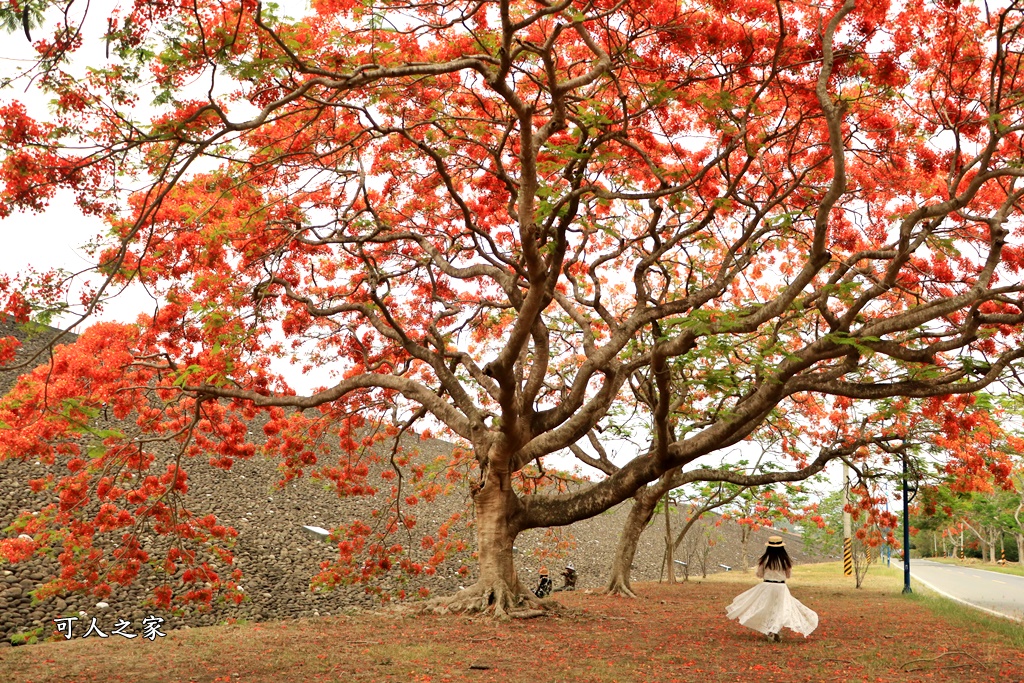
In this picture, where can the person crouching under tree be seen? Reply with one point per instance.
(569, 577)
(544, 588)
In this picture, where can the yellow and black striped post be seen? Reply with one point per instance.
(847, 523)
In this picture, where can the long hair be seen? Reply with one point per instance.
(775, 558)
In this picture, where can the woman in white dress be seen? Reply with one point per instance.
(768, 606)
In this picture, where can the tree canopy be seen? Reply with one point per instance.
(502, 216)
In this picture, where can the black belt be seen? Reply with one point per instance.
(770, 581)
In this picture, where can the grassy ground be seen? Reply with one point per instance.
(1014, 569)
(671, 633)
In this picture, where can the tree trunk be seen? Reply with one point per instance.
(640, 514)
(670, 561)
(979, 533)
(495, 540)
(744, 554)
(498, 587)
(1020, 548)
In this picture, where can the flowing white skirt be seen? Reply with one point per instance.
(769, 607)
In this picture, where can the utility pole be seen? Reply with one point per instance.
(847, 524)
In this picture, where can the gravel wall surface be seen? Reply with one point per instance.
(278, 558)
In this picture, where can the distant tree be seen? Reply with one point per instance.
(987, 516)
(696, 503)
(694, 547)
(1015, 518)
(755, 507)
(873, 528)
(822, 529)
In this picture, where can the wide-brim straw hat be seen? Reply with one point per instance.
(775, 542)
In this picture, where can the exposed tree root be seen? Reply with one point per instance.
(620, 587)
(527, 613)
(495, 598)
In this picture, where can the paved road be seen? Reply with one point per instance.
(1002, 593)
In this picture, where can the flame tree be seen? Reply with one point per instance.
(470, 210)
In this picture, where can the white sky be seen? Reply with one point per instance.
(52, 239)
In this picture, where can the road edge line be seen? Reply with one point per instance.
(964, 602)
